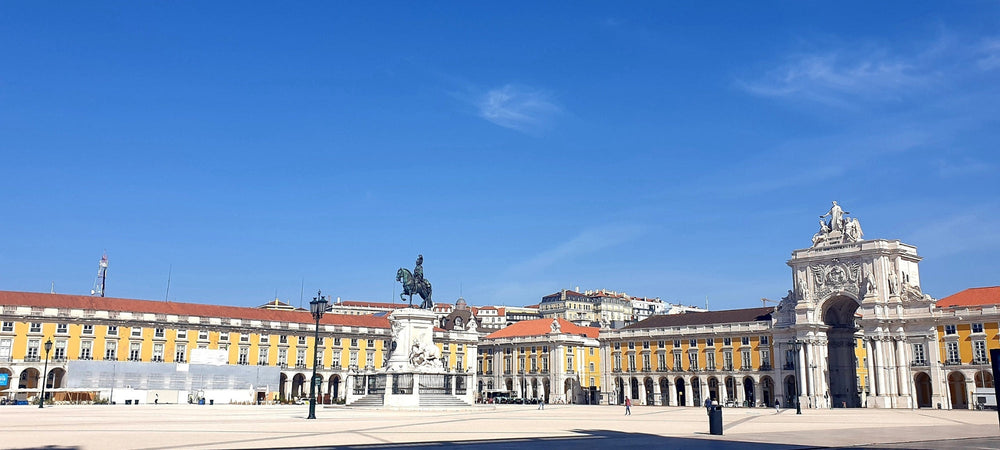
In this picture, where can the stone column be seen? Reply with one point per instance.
(758, 391)
(801, 381)
(688, 396)
(672, 392)
(873, 387)
(723, 391)
(557, 367)
(880, 367)
(824, 370)
(656, 393)
(740, 395)
(902, 368)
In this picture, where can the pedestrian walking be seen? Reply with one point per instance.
(628, 406)
(777, 407)
(541, 403)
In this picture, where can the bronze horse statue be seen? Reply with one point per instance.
(410, 287)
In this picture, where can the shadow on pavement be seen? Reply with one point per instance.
(589, 439)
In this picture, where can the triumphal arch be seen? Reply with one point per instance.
(847, 293)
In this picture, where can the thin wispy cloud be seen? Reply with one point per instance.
(588, 241)
(989, 54)
(519, 108)
(837, 78)
(972, 229)
(962, 167)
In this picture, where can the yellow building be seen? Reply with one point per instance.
(86, 330)
(682, 359)
(951, 366)
(552, 359)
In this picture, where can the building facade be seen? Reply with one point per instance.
(147, 333)
(550, 359)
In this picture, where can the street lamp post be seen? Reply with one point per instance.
(317, 306)
(48, 346)
(796, 345)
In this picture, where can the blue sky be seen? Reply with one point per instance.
(672, 151)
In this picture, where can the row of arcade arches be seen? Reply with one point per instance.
(29, 378)
(298, 388)
(675, 392)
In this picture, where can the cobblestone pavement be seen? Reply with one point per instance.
(507, 426)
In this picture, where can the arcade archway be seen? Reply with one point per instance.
(838, 314)
(922, 385)
(956, 388)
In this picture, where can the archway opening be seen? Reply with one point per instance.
(713, 389)
(730, 390)
(679, 385)
(838, 314)
(750, 399)
(696, 391)
(922, 384)
(298, 381)
(55, 378)
(791, 392)
(29, 379)
(334, 387)
(767, 391)
(984, 379)
(664, 392)
(282, 383)
(10, 379)
(648, 383)
(956, 388)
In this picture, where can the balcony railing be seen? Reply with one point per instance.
(789, 366)
(764, 367)
(980, 361)
(31, 359)
(953, 362)
(920, 363)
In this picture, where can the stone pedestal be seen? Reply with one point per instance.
(415, 367)
(411, 328)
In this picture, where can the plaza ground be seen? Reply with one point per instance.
(506, 426)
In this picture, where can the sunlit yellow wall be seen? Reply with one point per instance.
(862, 370)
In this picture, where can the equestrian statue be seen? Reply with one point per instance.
(414, 283)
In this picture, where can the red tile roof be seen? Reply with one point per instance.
(87, 302)
(541, 327)
(361, 304)
(981, 296)
(705, 318)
